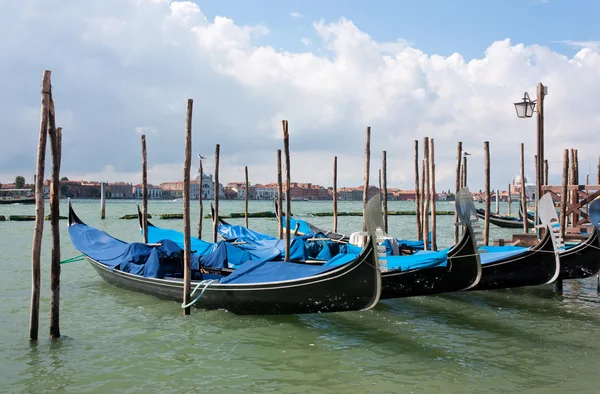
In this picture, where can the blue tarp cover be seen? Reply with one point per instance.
(491, 257)
(156, 234)
(231, 232)
(272, 271)
(136, 258)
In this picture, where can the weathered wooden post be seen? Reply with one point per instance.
(576, 192)
(187, 242)
(598, 172)
(334, 196)
(56, 147)
(486, 222)
(366, 184)
(200, 184)
(39, 210)
(564, 199)
(216, 193)
(433, 195)
(417, 193)
(509, 198)
(523, 192)
(144, 190)
(464, 170)
(424, 219)
(426, 192)
(379, 191)
(246, 194)
(458, 187)
(572, 182)
(545, 172)
(385, 190)
(279, 195)
(102, 200)
(288, 200)
(497, 201)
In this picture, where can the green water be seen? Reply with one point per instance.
(525, 340)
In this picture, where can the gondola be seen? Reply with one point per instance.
(258, 288)
(503, 221)
(460, 270)
(507, 267)
(302, 228)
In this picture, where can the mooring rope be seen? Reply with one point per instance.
(206, 283)
(73, 259)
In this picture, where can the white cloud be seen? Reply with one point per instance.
(296, 15)
(118, 66)
(305, 41)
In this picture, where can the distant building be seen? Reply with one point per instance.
(516, 189)
(176, 188)
(154, 192)
(119, 190)
(265, 192)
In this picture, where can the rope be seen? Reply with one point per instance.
(206, 283)
(73, 259)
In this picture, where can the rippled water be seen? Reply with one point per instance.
(526, 340)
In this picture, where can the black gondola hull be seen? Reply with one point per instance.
(500, 222)
(537, 266)
(351, 287)
(583, 260)
(462, 272)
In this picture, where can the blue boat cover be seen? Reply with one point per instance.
(492, 257)
(271, 271)
(419, 260)
(156, 234)
(136, 258)
(231, 232)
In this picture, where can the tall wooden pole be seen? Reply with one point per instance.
(433, 195)
(380, 188)
(422, 203)
(334, 196)
(545, 172)
(288, 200)
(144, 189)
(426, 192)
(187, 242)
(385, 190)
(246, 193)
(486, 223)
(523, 193)
(200, 189)
(509, 198)
(465, 169)
(56, 146)
(102, 200)
(576, 179)
(417, 193)
(497, 201)
(598, 172)
(39, 210)
(564, 199)
(458, 187)
(279, 195)
(216, 192)
(366, 175)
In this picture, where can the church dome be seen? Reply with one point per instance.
(518, 180)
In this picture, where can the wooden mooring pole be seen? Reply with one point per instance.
(458, 187)
(497, 201)
(288, 200)
(144, 190)
(247, 190)
(366, 176)
(523, 193)
(545, 172)
(216, 193)
(509, 198)
(34, 318)
(598, 172)
(102, 200)
(187, 242)
(417, 194)
(564, 198)
(200, 184)
(334, 195)
(426, 191)
(56, 147)
(486, 222)
(385, 190)
(433, 195)
(279, 195)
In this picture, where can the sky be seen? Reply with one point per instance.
(446, 70)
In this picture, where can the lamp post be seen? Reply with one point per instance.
(525, 109)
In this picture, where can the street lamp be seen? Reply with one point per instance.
(525, 109)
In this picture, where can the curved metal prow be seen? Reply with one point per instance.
(467, 214)
(73, 218)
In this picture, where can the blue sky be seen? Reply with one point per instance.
(433, 26)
